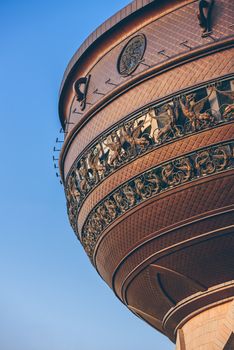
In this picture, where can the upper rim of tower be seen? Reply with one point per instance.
(108, 24)
(91, 42)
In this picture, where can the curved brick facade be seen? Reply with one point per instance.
(147, 108)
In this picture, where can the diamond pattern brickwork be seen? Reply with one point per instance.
(188, 75)
(170, 209)
(158, 156)
(163, 34)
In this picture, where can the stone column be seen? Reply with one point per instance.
(211, 329)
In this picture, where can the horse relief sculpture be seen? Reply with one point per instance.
(192, 110)
(228, 110)
(114, 146)
(166, 122)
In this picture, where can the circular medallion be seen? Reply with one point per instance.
(131, 55)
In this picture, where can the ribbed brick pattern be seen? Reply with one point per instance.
(188, 75)
(164, 251)
(148, 295)
(156, 157)
(144, 302)
(168, 209)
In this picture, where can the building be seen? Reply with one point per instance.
(146, 104)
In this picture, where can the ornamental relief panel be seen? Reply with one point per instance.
(157, 180)
(131, 55)
(166, 122)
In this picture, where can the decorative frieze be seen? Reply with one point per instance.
(165, 122)
(157, 180)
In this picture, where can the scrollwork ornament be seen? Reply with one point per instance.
(105, 218)
(130, 195)
(209, 161)
(143, 190)
(204, 164)
(153, 181)
(184, 169)
(131, 55)
(111, 208)
(170, 176)
(180, 116)
(121, 201)
(174, 173)
(220, 158)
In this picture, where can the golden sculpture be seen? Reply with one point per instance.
(97, 169)
(179, 171)
(103, 215)
(82, 174)
(111, 208)
(228, 112)
(168, 121)
(142, 190)
(115, 147)
(172, 111)
(153, 181)
(120, 201)
(192, 109)
(132, 135)
(129, 194)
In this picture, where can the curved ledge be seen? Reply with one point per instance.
(111, 22)
(141, 77)
(189, 306)
(151, 237)
(168, 250)
(150, 184)
(134, 11)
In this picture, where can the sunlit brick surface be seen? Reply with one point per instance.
(209, 330)
(147, 165)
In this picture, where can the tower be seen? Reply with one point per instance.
(146, 105)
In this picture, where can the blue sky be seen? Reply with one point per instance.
(51, 298)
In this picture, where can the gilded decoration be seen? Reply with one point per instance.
(131, 55)
(165, 122)
(161, 178)
(146, 158)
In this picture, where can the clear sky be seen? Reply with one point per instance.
(51, 298)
